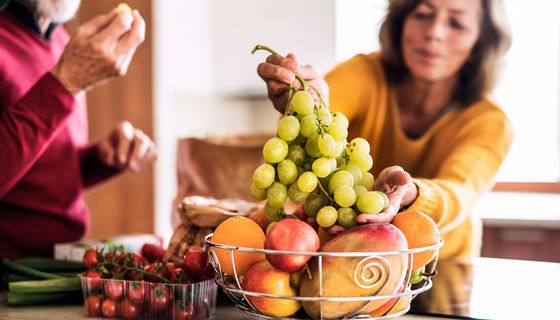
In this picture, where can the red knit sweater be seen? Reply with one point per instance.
(45, 162)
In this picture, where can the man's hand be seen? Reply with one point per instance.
(279, 72)
(127, 148)
(101, 49)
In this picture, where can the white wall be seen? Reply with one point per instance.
(205, 75)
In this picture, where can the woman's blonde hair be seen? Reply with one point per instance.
(478, 75)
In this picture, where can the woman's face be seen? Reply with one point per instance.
(438, 37)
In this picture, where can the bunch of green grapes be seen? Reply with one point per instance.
(310, 161)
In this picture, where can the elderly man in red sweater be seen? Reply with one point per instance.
(45, 159)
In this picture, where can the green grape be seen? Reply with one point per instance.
(287, 171)
(295, 194)
(288, 128)
(333, 164)
(370, 202)
(340, 178)
(417, 276)
(361, 159)
(297, 154)
(312, 147)
(313, 204)
(270, 226)
(347, 217)
(300, 140)
(338, 131)
(322, 167)
(339, 117)
(359, 189)
(367, 180)
(327, 145)
(385, 199)
(273, 214)
(307, 182)
(345, 196)
(275, 150)
(360, 144)
(264, 175)
(324, 116)
(327, 216)
(258, 193)
(302, 102)
(309, 125)
(277, 194)
(355, 171)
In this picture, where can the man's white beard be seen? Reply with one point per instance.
(57, 11)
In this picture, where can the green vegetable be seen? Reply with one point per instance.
(27, 299)
(43, 286)
(46, 264)
(29, 271)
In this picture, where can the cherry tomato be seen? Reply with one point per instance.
(159, 299)
(91, 258)
(169, 271)
(93, 305)
(182, 312)
(156, 268)
(114, 289)
(128, 310)
(109, 308)
(152, 252)
(93, 281)
(195, 261)
(136, 292)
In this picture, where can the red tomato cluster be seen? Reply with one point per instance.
(126, 285)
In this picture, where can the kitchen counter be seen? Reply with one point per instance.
(66, 312)
(481, 288)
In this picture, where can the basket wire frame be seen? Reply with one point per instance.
(231, 284)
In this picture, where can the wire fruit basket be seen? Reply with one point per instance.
(370, 270)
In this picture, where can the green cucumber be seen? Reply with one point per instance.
(29, 271)
(46, 264)
(43, 286)
(27, 299)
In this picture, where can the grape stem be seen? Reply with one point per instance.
(325, 192)
(272, 51)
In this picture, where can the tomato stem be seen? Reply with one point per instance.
(135, 269)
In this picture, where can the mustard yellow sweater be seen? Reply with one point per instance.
(452, 164)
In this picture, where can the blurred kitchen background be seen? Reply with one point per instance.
(195, 76)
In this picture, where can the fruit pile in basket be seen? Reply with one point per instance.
(294, 261)
(129, 286)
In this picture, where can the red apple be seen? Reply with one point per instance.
(263, 278)
(291, 235)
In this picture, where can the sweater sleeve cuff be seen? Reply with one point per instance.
(428, 199)
(49, 100)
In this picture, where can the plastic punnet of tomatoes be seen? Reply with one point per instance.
(126, 286)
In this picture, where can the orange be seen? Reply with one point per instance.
(238, 231)
(420, 231)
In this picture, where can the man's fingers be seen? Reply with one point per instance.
(140, 147)
(96, 24)
(120, 25)
(124, 136)
(133, 38)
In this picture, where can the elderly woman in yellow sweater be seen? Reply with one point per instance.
(423, 103)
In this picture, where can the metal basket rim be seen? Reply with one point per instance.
(208, 242)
